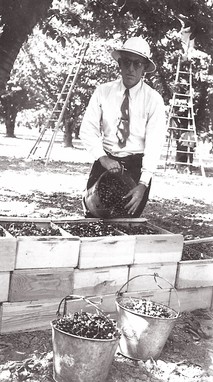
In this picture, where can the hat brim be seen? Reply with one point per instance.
(116, 54)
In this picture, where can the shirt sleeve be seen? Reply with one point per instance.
(154, 137)
(90, 130)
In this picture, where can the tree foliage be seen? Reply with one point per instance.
(43, 64)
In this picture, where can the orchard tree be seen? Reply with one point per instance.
(18, 18)
(107, 23)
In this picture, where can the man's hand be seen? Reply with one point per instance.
(110, 164)
(136, 195)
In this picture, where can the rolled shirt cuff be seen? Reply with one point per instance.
(145, 177)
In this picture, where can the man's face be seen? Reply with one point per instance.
(132, 68)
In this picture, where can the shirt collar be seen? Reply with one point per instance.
(133, 90)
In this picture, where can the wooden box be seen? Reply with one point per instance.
(159, 246)
(102, 251)
(7, 252)
(192, 298)
(4, 285)
(194, 274)
(166, 271)
(39, 284)
(44, 251)
(124, 248)
(99, 281)
(27, 316)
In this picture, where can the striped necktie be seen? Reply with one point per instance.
(123, 127)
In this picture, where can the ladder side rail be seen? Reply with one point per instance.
(169, 129)
(69, 75)
(68, 78)
(177, 71)
(38, 141)
(47, 155)
(83, 47)
(80, 54)
(196, 140)
(168, 147)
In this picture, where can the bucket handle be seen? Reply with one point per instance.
(155, 275)
(77, 297)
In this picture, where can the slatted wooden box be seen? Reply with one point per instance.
(194, 274)
(27, 315)
(126, 249)
(158, 246)
(99, 281)
(40, 284)
(44, 251)
(7, 251)
(7, 262)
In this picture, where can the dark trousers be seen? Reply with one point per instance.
(132, 164)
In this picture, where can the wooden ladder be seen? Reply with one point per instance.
(59, 109)
(182, 136)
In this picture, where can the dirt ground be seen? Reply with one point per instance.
(180, 203)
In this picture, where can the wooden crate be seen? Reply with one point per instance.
(106, 251)
(194, 274)
(103, 251)
(158, 248)
(127, 249)
(45, 251)
(192, 299)
(99, 281)
(7, 252)
(27, 316)
(4, 285)
(146, 282)
(163, 246)
(40, 284)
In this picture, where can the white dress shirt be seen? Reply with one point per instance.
(147, 124)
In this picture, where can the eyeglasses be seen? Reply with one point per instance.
(136, 63)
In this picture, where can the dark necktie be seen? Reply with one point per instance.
(123, 127)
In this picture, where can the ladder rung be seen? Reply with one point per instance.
(182, 95)
(184, 72)
(180, 129)
(185, 163)
(185, 152)
(185, 106)
(180, 117)
(62, 100)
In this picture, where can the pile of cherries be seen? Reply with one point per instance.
(111, 191)
(30, 229)
(136, 230)
(91, 229)
(148, 308)
(88, 325)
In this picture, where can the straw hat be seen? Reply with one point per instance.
(139, 46)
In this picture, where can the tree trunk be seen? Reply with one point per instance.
(19, 18)
(68, 133)
(10, 119)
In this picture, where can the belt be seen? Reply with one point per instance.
(126, 159)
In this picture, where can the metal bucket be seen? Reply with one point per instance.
(142, 336)
(93, 199)
(80, 359)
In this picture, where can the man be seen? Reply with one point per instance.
(126, 128)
